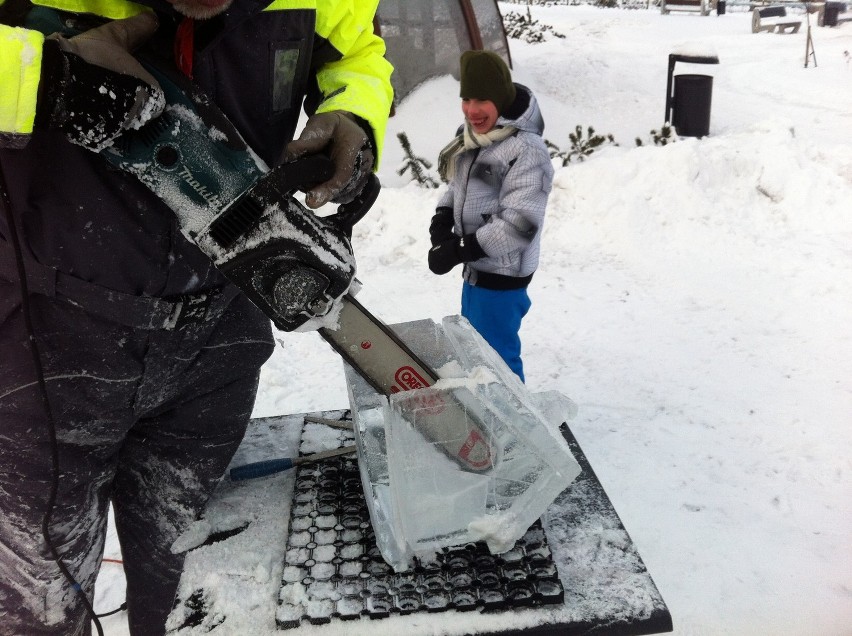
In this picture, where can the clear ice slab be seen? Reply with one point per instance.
(475, 457)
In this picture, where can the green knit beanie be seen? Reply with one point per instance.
(484, 75)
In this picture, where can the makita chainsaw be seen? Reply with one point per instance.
(295, 266)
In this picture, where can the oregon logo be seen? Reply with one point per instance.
(407, 379)
(475, 450)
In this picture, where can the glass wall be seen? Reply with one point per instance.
(425, 38)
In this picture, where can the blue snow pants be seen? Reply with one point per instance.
(497, 316)
(145, 418)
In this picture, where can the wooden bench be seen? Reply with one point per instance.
(773, 20)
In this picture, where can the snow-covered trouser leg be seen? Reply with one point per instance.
(149, 418)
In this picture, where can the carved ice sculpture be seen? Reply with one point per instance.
(475, 457)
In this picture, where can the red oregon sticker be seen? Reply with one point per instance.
(407, 378)
(475, 450)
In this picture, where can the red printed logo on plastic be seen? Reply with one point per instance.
(408, 379)
(475, 450)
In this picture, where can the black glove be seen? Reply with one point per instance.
(92, 88)
(444, 256)
(349, 146)
(441, 227)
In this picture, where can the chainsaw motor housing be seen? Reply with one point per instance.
(291, 263)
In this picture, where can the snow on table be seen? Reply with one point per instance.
(234, 568)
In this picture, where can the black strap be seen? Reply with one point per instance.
(139, 312)
(499, 282)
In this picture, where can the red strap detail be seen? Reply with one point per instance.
(184, 46)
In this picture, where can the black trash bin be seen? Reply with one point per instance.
(691, 105)
(720, 7)
(832, 11)
(688, 105)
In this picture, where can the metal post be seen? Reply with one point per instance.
(810, 51)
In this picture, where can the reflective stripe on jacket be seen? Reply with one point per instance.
(20, 64)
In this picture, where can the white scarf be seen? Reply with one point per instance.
(468, 140)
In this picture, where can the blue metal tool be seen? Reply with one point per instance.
(272, 466)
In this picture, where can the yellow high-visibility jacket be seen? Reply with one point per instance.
(257, 63)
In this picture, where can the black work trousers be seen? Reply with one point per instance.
(145, 418)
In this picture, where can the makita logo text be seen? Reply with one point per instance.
(211, 197)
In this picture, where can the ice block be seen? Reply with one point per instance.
(420, 497)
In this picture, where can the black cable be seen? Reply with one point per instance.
(118, 609)
(51, 424)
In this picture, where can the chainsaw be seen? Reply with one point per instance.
(293, 265)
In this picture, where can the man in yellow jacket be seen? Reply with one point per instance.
(110, 392)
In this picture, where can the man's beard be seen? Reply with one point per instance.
(197, 11)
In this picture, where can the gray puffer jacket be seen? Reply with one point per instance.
(500, 193)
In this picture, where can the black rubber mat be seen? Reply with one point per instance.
(333, 570)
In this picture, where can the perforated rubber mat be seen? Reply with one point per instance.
(333, 570)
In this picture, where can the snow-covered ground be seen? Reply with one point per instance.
(694, 299)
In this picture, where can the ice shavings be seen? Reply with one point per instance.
(152, 107)
(192, 537)
(330, 320)
(499, 532)
(216, 134)
(203, 530)
(452, 376)
(590, 546)
(318, 437)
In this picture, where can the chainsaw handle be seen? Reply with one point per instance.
(311, 170)
(348, 214)
(303, 173)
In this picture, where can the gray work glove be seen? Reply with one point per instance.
(349, 148)
(92, 88)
